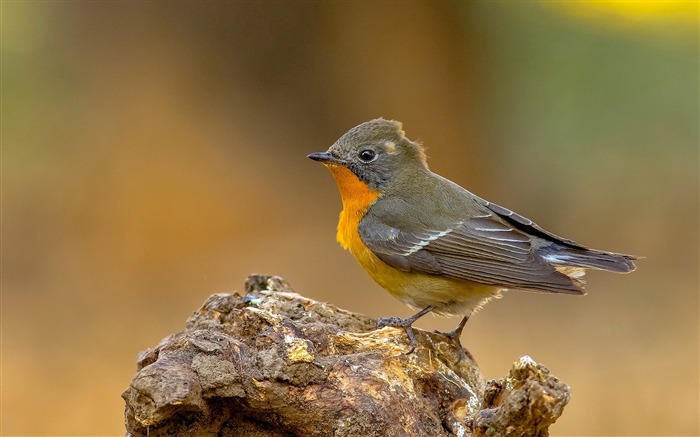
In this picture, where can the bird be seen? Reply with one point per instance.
(436, 246)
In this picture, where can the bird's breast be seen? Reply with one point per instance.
(448, 296)
(357, 197)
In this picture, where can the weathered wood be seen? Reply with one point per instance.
(274, 363)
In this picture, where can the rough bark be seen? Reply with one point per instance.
(274, 363)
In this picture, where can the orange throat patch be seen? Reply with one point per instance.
(357, 197)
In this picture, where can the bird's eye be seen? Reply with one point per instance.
(368, 155)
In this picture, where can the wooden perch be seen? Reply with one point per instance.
(274, 363)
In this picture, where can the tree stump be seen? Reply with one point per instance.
(274, 363)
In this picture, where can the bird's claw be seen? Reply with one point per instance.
(397, 322)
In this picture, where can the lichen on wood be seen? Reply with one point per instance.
(274, 363)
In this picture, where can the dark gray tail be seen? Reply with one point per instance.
(589, 259)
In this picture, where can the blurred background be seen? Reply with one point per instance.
(154, 153)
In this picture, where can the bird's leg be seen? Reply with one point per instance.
(397, 322)
(456, 333)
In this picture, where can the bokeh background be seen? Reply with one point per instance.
(154, 153)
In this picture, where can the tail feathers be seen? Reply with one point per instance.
(590, 259)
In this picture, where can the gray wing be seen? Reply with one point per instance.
(528, 225)
(484, 249)
(561, 251)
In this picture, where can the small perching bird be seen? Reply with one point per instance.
(436, 246)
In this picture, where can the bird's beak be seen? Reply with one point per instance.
(322, 157)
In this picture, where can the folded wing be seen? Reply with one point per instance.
(485, 249)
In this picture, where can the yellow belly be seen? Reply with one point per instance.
(447, 295)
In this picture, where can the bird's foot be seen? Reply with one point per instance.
(397, 322)
(456, 333)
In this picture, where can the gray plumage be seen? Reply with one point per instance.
(446, 230)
